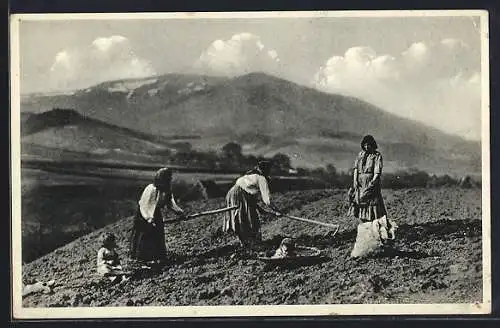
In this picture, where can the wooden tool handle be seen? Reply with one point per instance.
(196, 215)
(334, 226)
(220, 210)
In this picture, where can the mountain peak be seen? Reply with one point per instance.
(260, 77)
(300, 120)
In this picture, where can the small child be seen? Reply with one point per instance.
(286, 249)
(108, 262)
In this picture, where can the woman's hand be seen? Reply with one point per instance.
(276, 211)
(355, 182)
(374, 181)
(269, 209)
(151, 221)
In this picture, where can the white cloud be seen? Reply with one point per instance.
(62, 59)
(104, 44)
(105, 59)
(242, 53)
(438, 84)
(273, 54)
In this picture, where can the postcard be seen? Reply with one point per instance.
(250, 164)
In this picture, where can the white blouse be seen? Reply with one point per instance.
(152, 197)
(254, 183)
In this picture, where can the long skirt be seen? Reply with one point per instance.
(368, 203)
(244, 221)
(147, 241)
(368, 212)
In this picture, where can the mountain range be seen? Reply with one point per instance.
(265, 114)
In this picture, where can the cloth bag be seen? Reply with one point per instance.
(373, 235)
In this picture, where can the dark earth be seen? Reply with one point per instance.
(436, 259)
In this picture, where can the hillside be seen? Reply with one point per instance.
(66, 134)
(437, 258)
(266, 115)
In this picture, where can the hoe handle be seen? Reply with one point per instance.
(333, 226)
(194, 216)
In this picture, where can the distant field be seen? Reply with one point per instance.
(41, 171)
(76, 176)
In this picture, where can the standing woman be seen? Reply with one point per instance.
(367, 203)
(244, 221)
(147, 241)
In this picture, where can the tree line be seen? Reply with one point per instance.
(230, 158)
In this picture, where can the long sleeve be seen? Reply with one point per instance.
(378, 164)
(173, 205)
(100, 257)
(356, 161)
(264, 190)
(355, 171)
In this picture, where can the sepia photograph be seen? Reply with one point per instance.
(250, 164)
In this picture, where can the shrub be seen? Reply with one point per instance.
(405, 179)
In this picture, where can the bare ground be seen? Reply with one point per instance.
(438, 258)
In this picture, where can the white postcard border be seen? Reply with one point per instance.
(20, 312)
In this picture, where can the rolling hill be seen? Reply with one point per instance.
(66, 134)
(265, 114)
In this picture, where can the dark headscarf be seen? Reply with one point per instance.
(108, 240)
(368, 139)
(163, 179)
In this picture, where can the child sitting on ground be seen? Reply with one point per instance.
(108, 262)
(286, 249)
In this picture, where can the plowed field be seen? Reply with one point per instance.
(438, 258)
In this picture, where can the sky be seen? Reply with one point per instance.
(422, 68)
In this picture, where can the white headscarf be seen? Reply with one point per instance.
(149, 199)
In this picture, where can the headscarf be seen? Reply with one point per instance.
(152, 193)
(163, 179)
(263, 168)
(108, 240)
